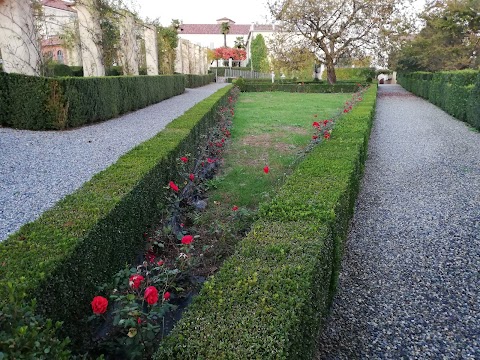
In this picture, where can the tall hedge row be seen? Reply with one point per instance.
(456, 92)
(39, 103)
(194, 81)
(267, 301)
(91, 234)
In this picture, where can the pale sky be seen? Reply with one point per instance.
(204, 12)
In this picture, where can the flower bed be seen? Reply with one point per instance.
(91, 234)
(268, 299)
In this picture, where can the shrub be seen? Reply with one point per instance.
(38, 103)
(77, 71)
(194, 81)
(267, 301)
(456, 92)
(54, 69)
(248, 86)
(352, 74)
(91, 234)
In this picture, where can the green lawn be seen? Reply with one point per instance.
(269, 129)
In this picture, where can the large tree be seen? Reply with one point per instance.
(259, 54)
(334, 29)
(449, 40)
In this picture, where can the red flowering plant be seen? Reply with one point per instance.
(323, 128)
(132, 314)
(130, 322)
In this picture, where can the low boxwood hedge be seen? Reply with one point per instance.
(194, 81)
(39, 103)
(268, 300)
(456, 92)
(247, 86)
(91, 234)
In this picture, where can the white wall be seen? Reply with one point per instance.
(211, 41)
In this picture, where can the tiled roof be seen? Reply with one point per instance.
(58, 4)
(52, 41)
(257, 27)
(213, 29)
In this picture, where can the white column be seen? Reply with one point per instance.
(185, 57)
(128, 44)
(191, 57)
(90, 38)
(179, 57)
(150, 33)
(18, 38)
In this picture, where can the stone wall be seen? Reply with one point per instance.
(190, 58)
(19, 43)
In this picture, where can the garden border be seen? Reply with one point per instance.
(91, 234)
(268, 300)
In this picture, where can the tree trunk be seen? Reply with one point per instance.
(331, 76)
(225, 40)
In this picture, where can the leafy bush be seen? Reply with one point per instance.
(38, 103)
(194, 81)
(352, 74)
(54, 69)
(267, 301)
(77, 71)
(91, 234)
(24, 334)
(456, 92)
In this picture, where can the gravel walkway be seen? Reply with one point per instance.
(39, 168)
(410, 284)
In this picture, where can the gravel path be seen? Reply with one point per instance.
(410, 284)
(39, 168)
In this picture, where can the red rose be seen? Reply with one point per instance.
(266, 169)
(99, 305)
(345, 111)
(135, 281)
(166, 296)
(325, 122)
(160, 263)
(316, 124)
(314, 137)
(173, 186)
(184, 159)
(150, 256)
(187, 239)
(326, 135)
(210, 161)
(151, 295)
(235, 208)
(191, 177)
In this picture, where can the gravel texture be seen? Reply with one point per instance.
(38, 168)
(410, 284)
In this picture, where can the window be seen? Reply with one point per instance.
(60, 56)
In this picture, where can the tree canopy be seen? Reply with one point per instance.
(334, 29)
(259, 54)
(449, 40)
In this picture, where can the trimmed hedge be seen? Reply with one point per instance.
(39, 103)
(247, 86)
(456, 92)
(194, 81)
(268, 300)
(353, 74)
(89, 235)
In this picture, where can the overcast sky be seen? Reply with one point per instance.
(206, 12)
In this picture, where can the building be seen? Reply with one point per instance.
(210, 35)
(57, 24)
